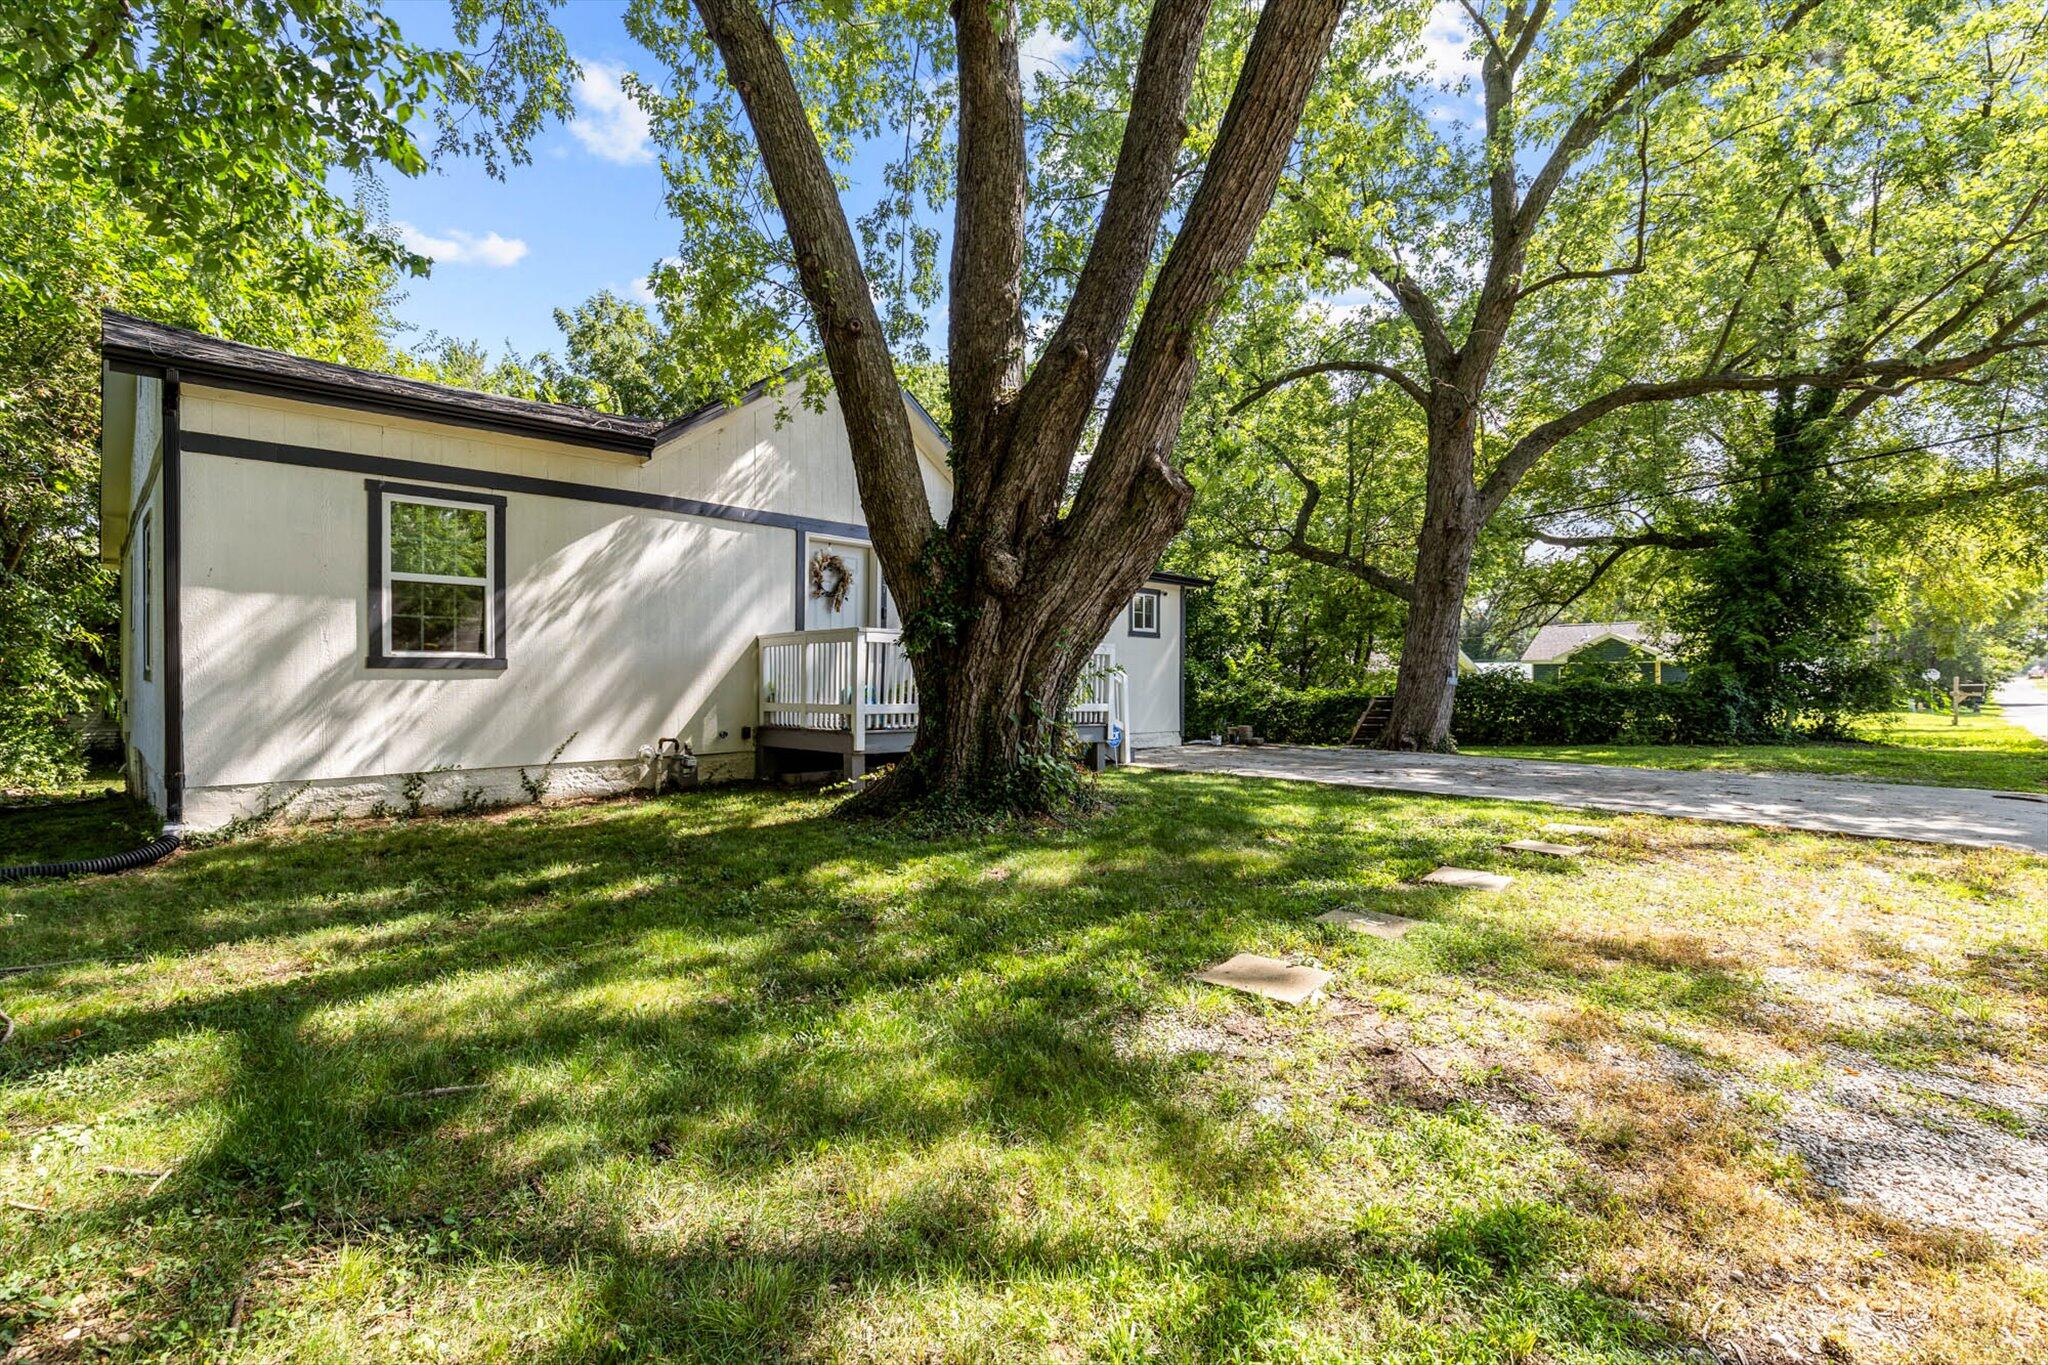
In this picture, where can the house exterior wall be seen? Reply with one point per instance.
(1610, 652)
(625, 625)
(1152, 669)
(142, 698)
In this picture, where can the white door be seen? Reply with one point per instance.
(836, 584)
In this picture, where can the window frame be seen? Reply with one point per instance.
(382, 493)
(1158, 614)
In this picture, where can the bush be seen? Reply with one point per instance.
(1495, 708)
(1316, 715)
(1491, 708)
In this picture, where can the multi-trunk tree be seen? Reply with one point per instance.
(1060, 507)
(1666, 203)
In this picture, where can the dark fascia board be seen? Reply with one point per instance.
(1185, 580)
(135, 343)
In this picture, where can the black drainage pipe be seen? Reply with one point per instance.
(113, 862)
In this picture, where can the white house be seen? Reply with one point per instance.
(346, 591)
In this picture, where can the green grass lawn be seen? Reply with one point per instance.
(719, 1077)
(1981, 751)
(89, 821)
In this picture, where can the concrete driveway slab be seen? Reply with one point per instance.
(1878, 810)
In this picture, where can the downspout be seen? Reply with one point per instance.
(174, 670)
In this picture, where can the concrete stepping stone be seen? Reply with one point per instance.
(1266, 976)
(1577, 831)
(1468, 879)
(1549, 850)
(1369, 922)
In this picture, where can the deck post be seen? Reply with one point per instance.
(858, 721)
(803, 680)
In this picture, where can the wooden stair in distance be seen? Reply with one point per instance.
(1372, 721)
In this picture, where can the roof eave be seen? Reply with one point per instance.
(343, 389)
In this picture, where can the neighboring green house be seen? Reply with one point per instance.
(1603, 643)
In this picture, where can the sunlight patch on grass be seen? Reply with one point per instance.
(756, 1082)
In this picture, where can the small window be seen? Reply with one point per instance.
(437, 578)
(1145, 613)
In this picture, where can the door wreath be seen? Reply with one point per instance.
(830, 579)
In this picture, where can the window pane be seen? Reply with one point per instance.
(437, 618)
(438, 540)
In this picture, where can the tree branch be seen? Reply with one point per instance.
(1629, 540)
(985, 323)
(1343, 561)
(1057, 400)
(1438, 352)
(829, 270)
(1405, 382)
(1258, 129)
(1635, 266)
(1878, 509)
(1887, 373)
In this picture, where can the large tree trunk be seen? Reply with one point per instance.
(1003, 607)
(992, 691)
(1428, 679)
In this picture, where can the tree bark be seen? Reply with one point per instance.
(1427, 682)
(1014, 594)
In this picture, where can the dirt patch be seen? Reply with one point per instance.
(1925, 1148)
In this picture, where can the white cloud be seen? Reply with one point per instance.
(1044, 48)
(457, 247)
(642, 289)
(609, 123)
(1447, 44)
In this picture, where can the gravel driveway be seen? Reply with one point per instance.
(1934, 815)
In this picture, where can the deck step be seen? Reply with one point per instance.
(1372, 721)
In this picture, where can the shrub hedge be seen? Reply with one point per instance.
(1317, 715)
(1491, 708)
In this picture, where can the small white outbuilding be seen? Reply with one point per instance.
(345, 591)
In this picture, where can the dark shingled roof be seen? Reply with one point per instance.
(133, 341)
(126, 340)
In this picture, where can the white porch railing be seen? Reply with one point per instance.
(859, 679)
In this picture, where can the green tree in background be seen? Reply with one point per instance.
(1639, 224)
(70, 248)
(188, 160)
(1778, 618)
(223, 121)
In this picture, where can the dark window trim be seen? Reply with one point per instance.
(145, 607)
(1158, 613)
(379, 466)
(375, 657)
(170, 498)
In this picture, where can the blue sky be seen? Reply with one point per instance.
(586, 215)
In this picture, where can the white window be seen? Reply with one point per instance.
(438, 582)
(1145, 612)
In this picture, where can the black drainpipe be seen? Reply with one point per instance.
(174, 659)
